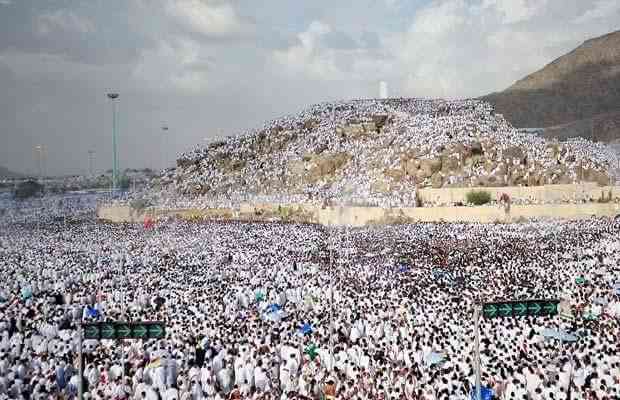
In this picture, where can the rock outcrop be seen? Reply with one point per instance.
(383, 149)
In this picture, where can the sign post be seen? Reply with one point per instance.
(477, 349)
(80, 387)
(507, 309)
(115, 331)
(124, 330)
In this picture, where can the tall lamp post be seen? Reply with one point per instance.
(39, 151)
(113, 97)
(164, 157)
(91, 154)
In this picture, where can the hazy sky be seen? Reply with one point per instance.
(203, 67)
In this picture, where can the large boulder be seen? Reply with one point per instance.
(297, 167)
(421, 175)
(369, 127)
(476, 149)
(326, 165)
(430, 166)
(517, 177)
(489, 165)
(449, 162)
(473, 161)
(553, 150)
(601, 178)
(394, 173)
(495, 181)
(514, 153)
(310, 124)
(379, 120)
(411, 166)
(480, 181)
(380, 186)
(353, 131)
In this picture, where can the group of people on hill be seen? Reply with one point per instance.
(422, 128)
(289, 311)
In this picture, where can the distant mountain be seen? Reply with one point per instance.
(576, 95)
(5, 173)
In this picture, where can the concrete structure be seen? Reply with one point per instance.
(383, 90)
(361, 216)
(559, 201)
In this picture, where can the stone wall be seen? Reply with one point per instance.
(358, 216)
(119, 214)
(361, 216)
(537, 194)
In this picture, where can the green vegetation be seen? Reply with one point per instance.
(139, 204)
(28, 189)
(124, 182)
(478, 197)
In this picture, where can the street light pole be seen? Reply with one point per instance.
(331, 297)
(39, 153)
(113, 97)
(91, 154)
(80, 362)
(477, 366)
(164, 153)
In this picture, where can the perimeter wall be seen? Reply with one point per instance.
(536, 194)
(600, 201)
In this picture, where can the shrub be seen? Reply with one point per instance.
(124, 182)
(28, 189)
(418, 200)
(139, 204)
(605, 199)
(478, 197)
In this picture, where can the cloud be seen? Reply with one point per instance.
(439, 19)
(339, 40)
(307, 57)
(180, 65)
(457, 48)
(512, 11)
(205, 17)
(322, 53)
(6, 2)
(290, 54)
(370, 40)
(602, 9)
(64, 20)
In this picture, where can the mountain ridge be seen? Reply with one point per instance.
(578, 86)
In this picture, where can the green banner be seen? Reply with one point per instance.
(124, 330)
(521, 308)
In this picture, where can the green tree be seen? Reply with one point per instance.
(124, 182)
(28, 189)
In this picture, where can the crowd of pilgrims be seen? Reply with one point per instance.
(418, 125)
(247, 308)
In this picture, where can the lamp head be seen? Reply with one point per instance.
(113, 95)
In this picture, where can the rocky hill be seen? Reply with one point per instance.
(577, 94)
(369, 151)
